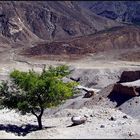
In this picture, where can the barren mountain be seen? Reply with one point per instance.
(48, 20)
(122, 11)
(23, 24)
(67, 28)
(113, 39)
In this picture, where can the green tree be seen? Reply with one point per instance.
(32, 92)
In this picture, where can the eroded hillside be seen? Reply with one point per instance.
(115, 39)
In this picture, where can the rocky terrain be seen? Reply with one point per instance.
(122, 11)
(27, 24)
(101, 45)
(50, 29)
(117, 39)
(103, 117)
(48, 20)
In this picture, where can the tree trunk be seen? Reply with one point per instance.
(39, 122)
(39, 117)
(41, 112)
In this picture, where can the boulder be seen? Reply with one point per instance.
(78, 120)
(129, 88)
(89, 91)
(128, 76)
(122, 92)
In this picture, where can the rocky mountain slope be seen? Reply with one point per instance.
(68, 29)
(24, 24)
(114, 39)
(48, 20)
(53, 29)
(122, 11)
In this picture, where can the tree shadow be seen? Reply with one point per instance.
(22, 130)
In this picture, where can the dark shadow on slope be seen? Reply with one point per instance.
(119, 98)
(73, 125)
(20, 130)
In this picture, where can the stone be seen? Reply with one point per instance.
(100, 98)
(78, 120)
(69, 114)
(91, 115)
(89, 94)
(125, 117)
(102, 126)
(131, 134)
(112, 119)
(89, 91)
(113, 125)
(86, 116)
(136, 102)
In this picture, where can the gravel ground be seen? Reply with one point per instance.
(94, 74)
(99, 124)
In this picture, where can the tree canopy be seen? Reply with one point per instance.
(33, 92)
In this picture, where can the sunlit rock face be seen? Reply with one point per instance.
(21, 20)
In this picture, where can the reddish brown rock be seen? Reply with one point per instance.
(128, 76)
(128, 90)
(116, 38)
(122, 92)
